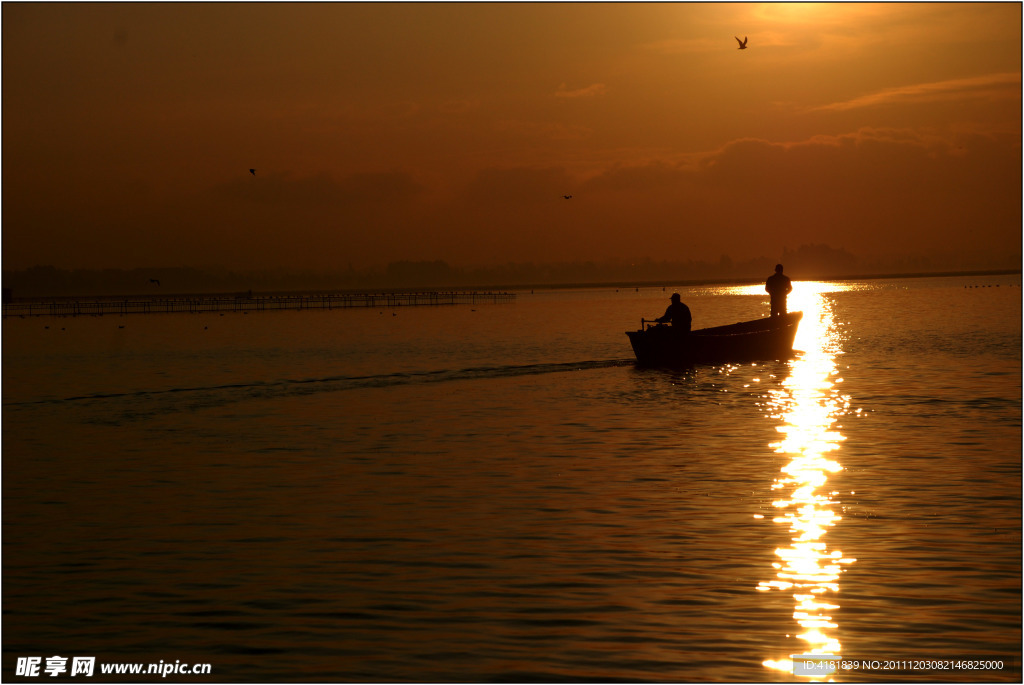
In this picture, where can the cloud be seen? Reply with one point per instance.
(543, 129)
(654, 176)
(459, 106)
(872, 191)
(321, 189)
(588, 92)
(519, 186)
(988, 86)
(686, 46)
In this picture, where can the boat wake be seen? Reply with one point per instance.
(142, 403)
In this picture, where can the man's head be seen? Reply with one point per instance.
(778, 268)
(675, 297)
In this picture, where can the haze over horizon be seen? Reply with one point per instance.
(382, 132)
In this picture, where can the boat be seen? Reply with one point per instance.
(758, 340)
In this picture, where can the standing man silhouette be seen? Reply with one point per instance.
(778, 286)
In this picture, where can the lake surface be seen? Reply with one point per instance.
(496, 493)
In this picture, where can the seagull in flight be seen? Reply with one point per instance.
(567, 197)
(252, 171)
(743, 43)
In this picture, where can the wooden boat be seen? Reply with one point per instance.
(757, 340)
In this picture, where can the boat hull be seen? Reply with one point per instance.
(757, 340)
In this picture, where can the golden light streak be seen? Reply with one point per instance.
(808, 405)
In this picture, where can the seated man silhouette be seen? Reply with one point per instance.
(678, 313)
(778, 287)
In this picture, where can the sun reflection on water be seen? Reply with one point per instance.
(808, 406)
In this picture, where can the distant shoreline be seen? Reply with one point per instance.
(752, 281)
(506, 288)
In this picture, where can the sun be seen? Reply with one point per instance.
(793, 12)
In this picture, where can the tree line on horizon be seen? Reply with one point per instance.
(807, 261)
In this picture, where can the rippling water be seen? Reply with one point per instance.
(496, 493)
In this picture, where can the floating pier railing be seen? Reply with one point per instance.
(246, 303)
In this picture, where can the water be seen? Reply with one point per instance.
(496, 493)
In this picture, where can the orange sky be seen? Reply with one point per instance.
(429, 131)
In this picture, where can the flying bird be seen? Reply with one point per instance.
(252, 171)
(743, 43)
(154, 280)
(567, 197)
